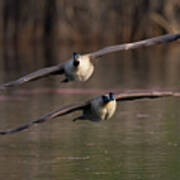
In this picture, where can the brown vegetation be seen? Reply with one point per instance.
(36, 31)
(91, 21)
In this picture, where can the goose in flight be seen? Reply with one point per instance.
(81, 68)
(96, 109)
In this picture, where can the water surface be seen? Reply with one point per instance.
(140, 142)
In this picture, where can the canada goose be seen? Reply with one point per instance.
(100, 108)
(86, 62)
(80, 68)
(96, 109)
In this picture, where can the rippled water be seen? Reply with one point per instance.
(140, 142)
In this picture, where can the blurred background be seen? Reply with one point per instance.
(141, 141)
(32, 29)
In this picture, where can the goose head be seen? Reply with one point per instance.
(107, 98)
(75, 59)
(111, 96)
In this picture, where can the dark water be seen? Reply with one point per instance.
(142, 140)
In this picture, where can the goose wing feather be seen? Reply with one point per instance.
(146, 94)
(41, 73)
(128, 46)
(52, 115)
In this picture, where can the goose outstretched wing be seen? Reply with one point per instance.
(52, 115)
(41, 73)
(145, 94)
(128, 46)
